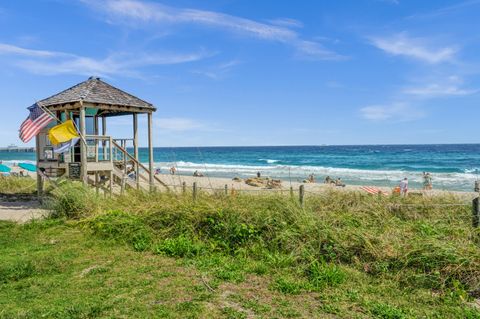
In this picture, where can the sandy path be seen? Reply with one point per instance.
(21, 211)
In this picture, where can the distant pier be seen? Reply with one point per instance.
(14, 148)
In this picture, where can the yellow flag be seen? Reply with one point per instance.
(62, 133)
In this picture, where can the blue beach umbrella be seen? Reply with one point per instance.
(4, 169)
(27, 166)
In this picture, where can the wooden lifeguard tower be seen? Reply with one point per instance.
(97, 159)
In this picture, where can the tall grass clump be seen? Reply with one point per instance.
(15, 185)
(73, 200)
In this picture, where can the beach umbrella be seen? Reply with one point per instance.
(4, 169)
(27, 166)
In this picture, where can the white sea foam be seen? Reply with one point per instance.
(16, 162)
(269, 161)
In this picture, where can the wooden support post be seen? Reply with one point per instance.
(83, 146)
(135, 148)
(122, 184)
(39, 177)
(301, 195)
(97, 182)
(110, 182)
(475, 212)
(194, 191)
(150, 151)
(104, 142)
(184, 187)
(124, 146)
(226, 189)
(291, 192)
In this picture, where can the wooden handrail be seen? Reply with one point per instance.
(138, 163)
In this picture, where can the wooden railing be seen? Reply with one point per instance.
(137, 163)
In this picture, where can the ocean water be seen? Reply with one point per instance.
(453, 167)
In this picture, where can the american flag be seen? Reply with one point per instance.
(37, 120)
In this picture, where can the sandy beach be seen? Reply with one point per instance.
(217, 183)
(207, 183)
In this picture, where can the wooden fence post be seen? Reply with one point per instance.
(475, 212)
(194, 191)
(226, 189)
(291, 191)
(184, 187)
(301, 194)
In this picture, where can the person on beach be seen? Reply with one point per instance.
(311, 178)
(339, 182)
(327, 180)
(403, 187)
(259, 175)
(173, 170)
(197, 174)
(157, 171)
(427, 181)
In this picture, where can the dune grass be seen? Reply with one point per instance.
(342, 255)
(15, 185)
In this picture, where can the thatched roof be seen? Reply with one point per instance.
(98, 93)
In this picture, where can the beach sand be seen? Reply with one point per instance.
(217, 183)
(210, 184)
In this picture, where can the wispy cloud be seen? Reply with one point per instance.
(125, 64)
(399, 111)
(218, 71)
(417, 48)
(135, 12)
(287, 22)
(451, 86)
(446, 10)
(15, 50)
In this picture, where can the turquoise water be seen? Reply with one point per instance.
(454, 167)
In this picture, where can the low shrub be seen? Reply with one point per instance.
(73, 200)
(321, 275)
(178, 247)
(122, 227)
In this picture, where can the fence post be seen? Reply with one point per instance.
(475, 212)
(194, 191)
(291, 191)
(301, 194)
(184, 187)
(226, 189)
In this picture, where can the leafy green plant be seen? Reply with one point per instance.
(386, 311)
(321, 275)
(122, 227)
(178, 247)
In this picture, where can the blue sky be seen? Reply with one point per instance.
(231, 72)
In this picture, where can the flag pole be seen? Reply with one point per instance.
(74, 124)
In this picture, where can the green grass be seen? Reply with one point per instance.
(344, 255)
(13, 185)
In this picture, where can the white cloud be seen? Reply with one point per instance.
(416, 48)
(15, 50)
(287, 22)
(451, 86)
(134, 12)
(394, 112)
(52, 62)
(218, 71)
